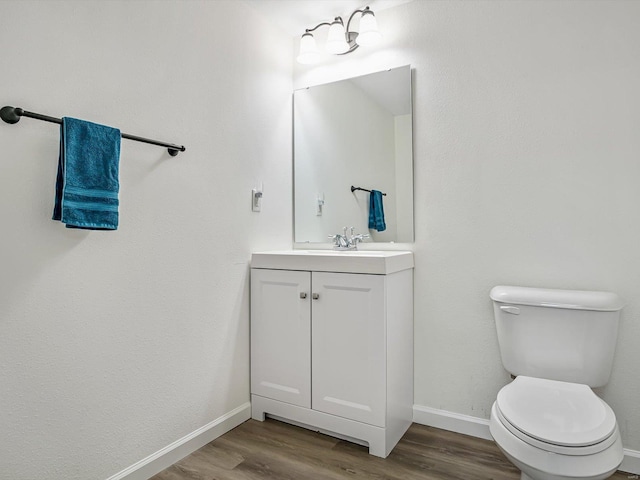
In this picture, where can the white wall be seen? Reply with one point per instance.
(526, 172)
(115, 344)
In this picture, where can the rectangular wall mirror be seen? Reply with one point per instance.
(355, 132)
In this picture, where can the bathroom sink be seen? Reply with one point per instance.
(379, 262)
(357, 253)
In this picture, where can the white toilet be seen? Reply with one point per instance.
(558, 344)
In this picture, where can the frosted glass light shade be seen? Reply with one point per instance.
(309, 52)
(369, 33)
(336, 41)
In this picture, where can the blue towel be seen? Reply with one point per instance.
(87, 184)
(376, 212)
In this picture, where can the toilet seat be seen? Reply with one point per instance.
(556, 416)
(532, 460)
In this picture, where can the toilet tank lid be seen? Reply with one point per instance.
(547, 297)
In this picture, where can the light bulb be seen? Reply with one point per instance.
(369, 33)
(308, 50)
(336, 42)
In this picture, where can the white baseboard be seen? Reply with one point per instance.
(454, 422)
(631, 462)
(479, 427)
(167, 456)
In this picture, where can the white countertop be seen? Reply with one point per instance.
(380, 262)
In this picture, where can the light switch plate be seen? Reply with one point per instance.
(256, 200)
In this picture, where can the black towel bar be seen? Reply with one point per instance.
(353, 189)
(13, 114)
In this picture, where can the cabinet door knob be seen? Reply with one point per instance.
(303, 294)
(315, 296)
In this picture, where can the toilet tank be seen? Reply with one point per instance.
(567, 335)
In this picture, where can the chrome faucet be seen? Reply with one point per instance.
(342, 241)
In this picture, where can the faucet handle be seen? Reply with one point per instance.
(337, 239)
(340, 241)
(359, 237)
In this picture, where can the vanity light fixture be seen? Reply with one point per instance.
(340, 41)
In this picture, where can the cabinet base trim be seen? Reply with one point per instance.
(380, 440)
(319, 430)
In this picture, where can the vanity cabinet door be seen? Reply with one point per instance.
(348, 346)
(280, 335)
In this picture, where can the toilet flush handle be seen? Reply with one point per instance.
(510, 309)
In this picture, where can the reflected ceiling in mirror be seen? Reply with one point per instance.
(355, 132)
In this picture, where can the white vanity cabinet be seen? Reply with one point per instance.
(333, 351)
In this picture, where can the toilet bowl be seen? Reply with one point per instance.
(558, 344)
(555, 430)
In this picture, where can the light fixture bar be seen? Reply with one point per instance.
(309, 30)
(341, 40)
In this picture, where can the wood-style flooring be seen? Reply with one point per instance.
(274, 450)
